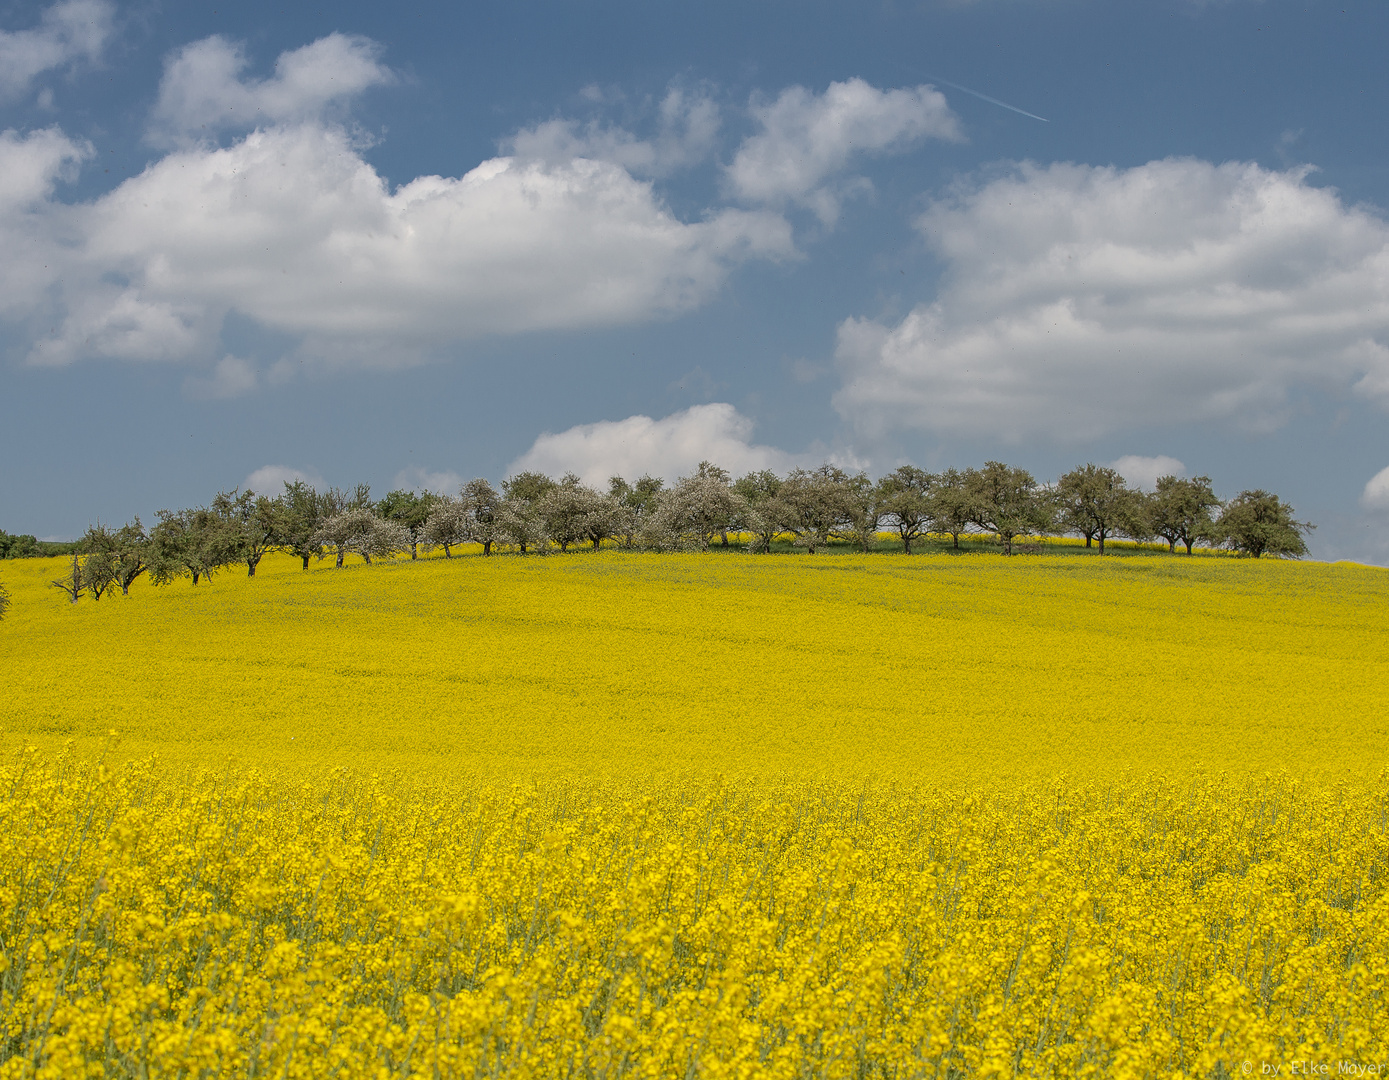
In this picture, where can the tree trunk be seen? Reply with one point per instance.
(725, 538)
(1188, 546)
(73, 586)
(1171, 547)
(306, 561)
(487, 547)
(367, 556)
(414, 549)
(340, 554)
(597, 542)
(957, 540)
(447, 553)
(196, 574)
(251, 566)
(1101, 543)
(1088, 538)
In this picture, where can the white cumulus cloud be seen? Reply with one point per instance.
(204, 90)
(1143, 472)
(290, 227)
(68, 31)
(419, 479)
(668, 448)
(806, 140)
(1079, 300)
(31, 166)
(271, 479)
(1375, 497)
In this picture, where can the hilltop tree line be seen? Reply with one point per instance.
(25, 546)
(534, 513)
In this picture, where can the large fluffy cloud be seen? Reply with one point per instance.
(69, 31)
(204, 92)
(670, 447)
(292, 228)
(1079, 300)
(806, 139)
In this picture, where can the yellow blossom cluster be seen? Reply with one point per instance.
(698, 815)
(963, 669)
(230, 925)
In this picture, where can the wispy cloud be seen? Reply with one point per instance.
(204, 90)
(232, 376)
(687, 129)
(806, 141)
(71, 31)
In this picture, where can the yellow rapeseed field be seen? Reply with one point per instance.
(699, 815)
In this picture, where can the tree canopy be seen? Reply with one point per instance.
(1095, 501)
(1006, 501)
(1180, 510)
(1258, 523)
(533, 512)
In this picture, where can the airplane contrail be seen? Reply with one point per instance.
(990, 100)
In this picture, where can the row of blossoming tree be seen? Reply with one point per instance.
(813, 508)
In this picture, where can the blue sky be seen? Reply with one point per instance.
(244, 243)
